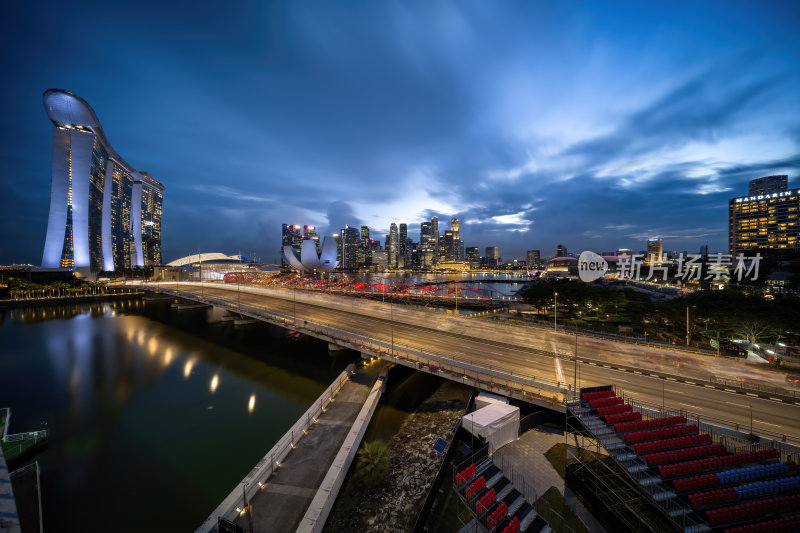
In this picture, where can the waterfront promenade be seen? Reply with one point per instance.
(281, 503)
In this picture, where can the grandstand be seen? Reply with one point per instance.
(499, 504)
(674, 471)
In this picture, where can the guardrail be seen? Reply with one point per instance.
(756, 387)
(233, 504)
(36, 436)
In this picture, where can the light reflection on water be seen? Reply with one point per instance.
(142, 413)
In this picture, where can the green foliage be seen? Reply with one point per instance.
(57, 289)
(727, 313)
(372, 462)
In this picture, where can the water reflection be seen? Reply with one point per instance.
(125, 420)
(187, 368)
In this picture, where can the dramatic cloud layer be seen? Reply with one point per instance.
(592, 125)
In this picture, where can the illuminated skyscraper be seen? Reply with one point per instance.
(768, 218)
(104, 215)
(291, 236)
(532, 257)
(492, 256)
(392, 245)
(350, 244)
(402, 246)
(435, 231)
(655, 249)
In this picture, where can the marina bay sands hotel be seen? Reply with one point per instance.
(104, 214)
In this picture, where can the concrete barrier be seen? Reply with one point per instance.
(320, 507)
(233, 504)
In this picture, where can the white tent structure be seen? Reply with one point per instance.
(497, 424)
(484, 398)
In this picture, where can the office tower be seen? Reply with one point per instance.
(426, 234)
(492, 256)
(624, 252)
(104, 215)
(769, 220)
(768, 185)
(380, 258)
(291, 236)
(561, 251)
(654, 251)
(458, 244)
(447, 245)
(402, 246)
(310, 234)
(392, 246)
(703, 250)
(473, 257)
(532, 257)
(365, 248)
(350, 243)
(435, 231)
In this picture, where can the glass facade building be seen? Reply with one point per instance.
(97, 200)
(767, 218)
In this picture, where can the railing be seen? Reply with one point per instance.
(36, 436)
(778, 391)
(255, 480)
(516, 477)
(554, 520)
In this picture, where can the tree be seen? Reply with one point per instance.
(751, 329)
(372, 462)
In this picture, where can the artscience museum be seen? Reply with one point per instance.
(325, 261)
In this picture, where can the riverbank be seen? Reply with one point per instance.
(113, 295)
(395, 503)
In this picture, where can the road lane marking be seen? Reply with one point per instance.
(776, 399)
(559, 373)
(751, 394)
(767, 423)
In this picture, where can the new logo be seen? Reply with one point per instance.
(591, 266)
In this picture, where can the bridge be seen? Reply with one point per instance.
(525, 363)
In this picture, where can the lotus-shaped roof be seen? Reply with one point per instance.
(309, 260)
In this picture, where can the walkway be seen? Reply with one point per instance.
(527, 455)
(9, 522)
(282, 502)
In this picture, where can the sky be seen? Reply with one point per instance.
(596, 125)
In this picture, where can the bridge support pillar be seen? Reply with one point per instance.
(333, 347)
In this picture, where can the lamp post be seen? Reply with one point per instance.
(555, 307)
(391, 320)
(200, 258)
(687, 325)
(575, 377)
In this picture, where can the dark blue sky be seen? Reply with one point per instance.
(595, 125)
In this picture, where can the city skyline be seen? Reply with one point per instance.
(595, 126)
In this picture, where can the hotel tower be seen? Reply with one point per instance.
(104, 214)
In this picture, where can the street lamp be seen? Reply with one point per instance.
(555, 319)
(575, 377)
(391, 320)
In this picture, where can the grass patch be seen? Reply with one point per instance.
(557, 455)
(553, 508)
